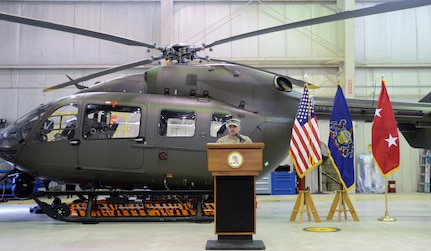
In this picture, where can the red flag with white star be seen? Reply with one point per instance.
(385, 140)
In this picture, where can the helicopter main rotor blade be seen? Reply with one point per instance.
(101, 73)
(377, 9)
(294, 81)
(70, 29)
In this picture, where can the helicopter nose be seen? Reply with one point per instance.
(8, 148)
(8, 151)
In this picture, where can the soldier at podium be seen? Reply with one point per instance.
(234, 127)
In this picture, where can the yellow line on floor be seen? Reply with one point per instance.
(353, 197)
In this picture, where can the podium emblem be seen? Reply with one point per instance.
(235, 159)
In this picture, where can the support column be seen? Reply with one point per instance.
(347, 41)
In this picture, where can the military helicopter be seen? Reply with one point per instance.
(150, 130)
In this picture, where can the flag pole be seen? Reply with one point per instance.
(304, 202)
(384, 130)
(386, 218)
(308, 115)
(341, 152)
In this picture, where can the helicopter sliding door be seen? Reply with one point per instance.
(110, 138)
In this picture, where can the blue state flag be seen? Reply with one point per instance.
(340, 143)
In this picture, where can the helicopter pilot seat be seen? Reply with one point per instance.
(68, 132)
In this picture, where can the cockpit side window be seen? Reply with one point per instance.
(111, 122)
(218, 124)
(177, 123)
(60, 125)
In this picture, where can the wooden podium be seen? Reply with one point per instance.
(235, 167)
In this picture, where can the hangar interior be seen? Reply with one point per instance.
(357, 51)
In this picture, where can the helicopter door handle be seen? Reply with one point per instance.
(140, 140)
(74, 142)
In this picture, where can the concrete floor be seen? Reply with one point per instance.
(21, 230)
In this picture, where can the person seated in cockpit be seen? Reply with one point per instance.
(69, 131)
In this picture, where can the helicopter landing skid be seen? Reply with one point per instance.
(130, 206)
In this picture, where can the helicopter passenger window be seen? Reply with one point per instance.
(218, 124)
(60, 125)
(177, 123)
(110, 122)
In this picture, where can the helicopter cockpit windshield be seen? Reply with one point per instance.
(16, 133)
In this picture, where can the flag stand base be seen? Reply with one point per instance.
(344, 204)
(387, 218)
(304, 203)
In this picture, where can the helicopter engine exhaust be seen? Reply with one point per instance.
(282, 84)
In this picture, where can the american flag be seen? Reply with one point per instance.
(305, 142)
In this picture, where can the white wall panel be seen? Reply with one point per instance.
(377, 43)
(424, 80)
(34, 99)
(86, 50)
(241, 16)
(394, 38)
(9, 104)
(58, 46)
(9, 47)
(28, 45)
(189, 22)
(272, 45)
(403, 37)
(403, 84)
(423, 31)
(5, 79)
(218, 18)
